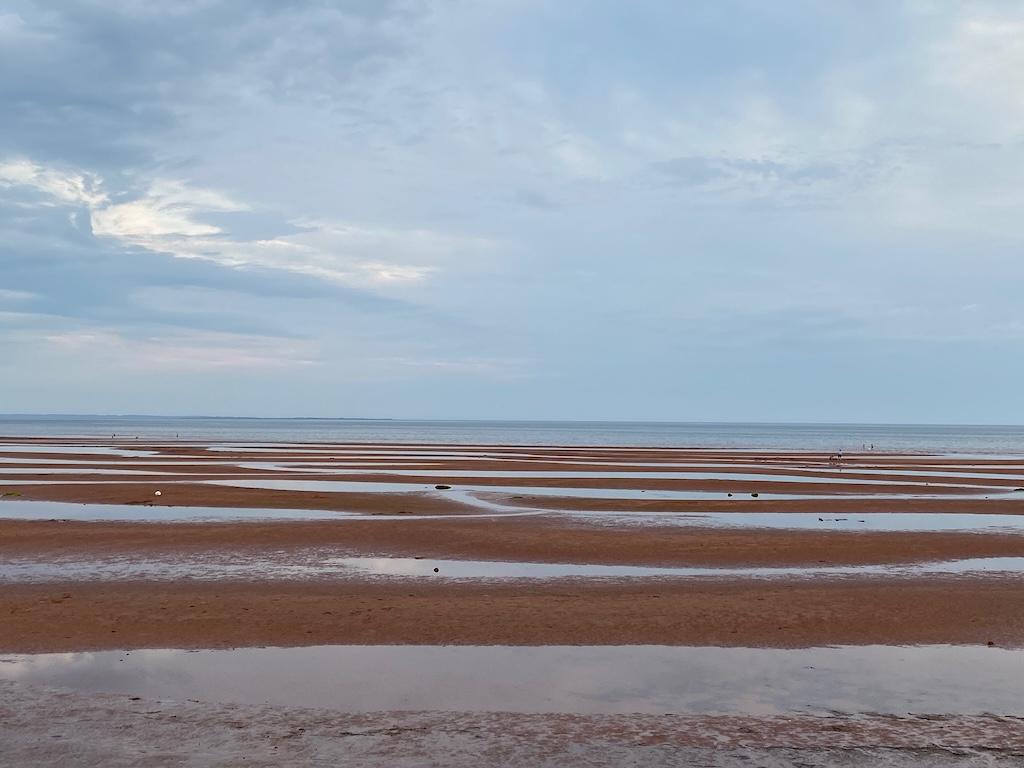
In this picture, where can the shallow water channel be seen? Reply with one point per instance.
(583, 679)
(319, 565)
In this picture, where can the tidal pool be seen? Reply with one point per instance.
(889, 522)
(370, 486)
(13, 509)
(320, 564)
(578, 679)
(923, 479)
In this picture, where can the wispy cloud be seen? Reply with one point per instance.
(16, 296)
(56, 186)
(172, 217)
(500, 369)
(167, 209)
(181, 352)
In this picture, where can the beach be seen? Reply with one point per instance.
(118, 546)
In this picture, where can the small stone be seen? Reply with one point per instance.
(437, 570)
(158, 493)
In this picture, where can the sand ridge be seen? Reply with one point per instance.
(249, 610)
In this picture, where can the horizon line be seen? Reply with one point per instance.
(501, 420)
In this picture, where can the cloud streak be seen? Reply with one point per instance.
(181, 353)
(170, 217)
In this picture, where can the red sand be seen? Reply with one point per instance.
(41, 617)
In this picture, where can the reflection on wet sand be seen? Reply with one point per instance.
(492, 507)
(587, 679)
(577, 492)
(314, 564)
(14, 509)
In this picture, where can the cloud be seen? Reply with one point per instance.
(122, 77)
(980, 64)
(543, 197)
(181, 352)
(503, 369)
(169, 208)
(730, 178)
(171, 217)
(367, 257)
(10, 318)
(7, 295)
(70, 188)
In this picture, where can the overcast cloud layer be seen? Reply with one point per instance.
(574, 209)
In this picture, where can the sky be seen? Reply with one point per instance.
(731, 210)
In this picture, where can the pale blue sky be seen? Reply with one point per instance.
(582, 209)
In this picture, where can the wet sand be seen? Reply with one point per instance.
(103, 615)
(520, 505)
(460, 524)
(57, 727)
(506, 538)
(113, 492)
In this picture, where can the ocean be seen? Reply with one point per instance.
(760, 436)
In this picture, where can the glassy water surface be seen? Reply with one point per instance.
(583, 679)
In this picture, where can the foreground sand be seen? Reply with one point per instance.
(43, 727)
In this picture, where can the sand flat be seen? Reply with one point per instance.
(595, 553)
